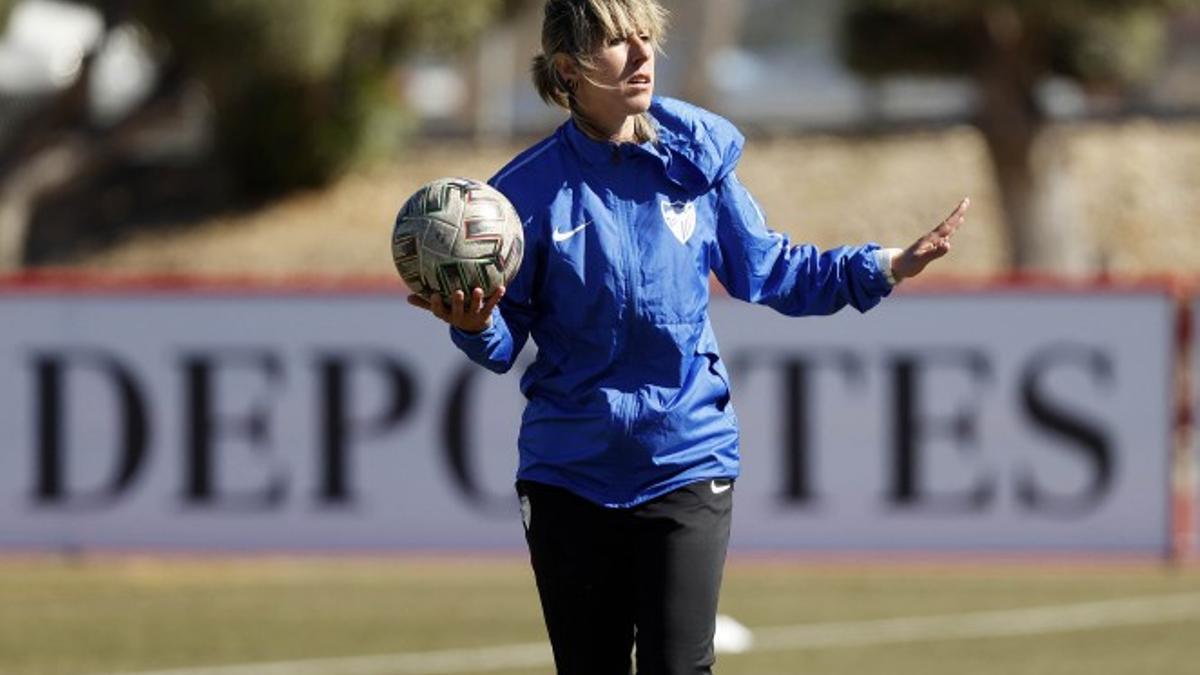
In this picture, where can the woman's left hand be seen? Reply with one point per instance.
(912, 261)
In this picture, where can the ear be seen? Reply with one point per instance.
(566, 67)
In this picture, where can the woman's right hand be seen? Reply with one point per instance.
(469, 316)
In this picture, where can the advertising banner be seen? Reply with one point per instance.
(973, 422)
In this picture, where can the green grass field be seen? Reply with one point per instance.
(123, 615)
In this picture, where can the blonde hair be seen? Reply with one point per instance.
(580, 28)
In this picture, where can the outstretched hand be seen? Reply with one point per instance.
(469, 316)
(914, 259)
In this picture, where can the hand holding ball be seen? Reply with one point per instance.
(456, 234)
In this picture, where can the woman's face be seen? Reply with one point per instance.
(622, 83)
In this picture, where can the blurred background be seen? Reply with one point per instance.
(226, 162)
(144, 138)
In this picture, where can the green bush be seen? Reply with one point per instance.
(296, 85)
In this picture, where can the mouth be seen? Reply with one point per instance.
(641, 80)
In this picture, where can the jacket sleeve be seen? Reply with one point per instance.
(497, 347)
(759, 265)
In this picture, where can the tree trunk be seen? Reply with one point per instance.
(59, 145)
(719, 25)
(21, 190)
(499, 57)
(1045, 234)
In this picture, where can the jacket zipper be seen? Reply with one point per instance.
(628, 260)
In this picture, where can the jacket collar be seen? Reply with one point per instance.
(671, 150)
(601, 153)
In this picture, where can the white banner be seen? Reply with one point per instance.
(975, 422)
(993, 421)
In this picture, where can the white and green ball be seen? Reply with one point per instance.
(457, 234)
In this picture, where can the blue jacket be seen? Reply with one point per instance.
(628, 398)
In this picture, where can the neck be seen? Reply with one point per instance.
(621, 130)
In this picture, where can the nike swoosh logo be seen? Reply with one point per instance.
(718, 486)
(561, 236)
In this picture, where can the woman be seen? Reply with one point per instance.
(628, 443)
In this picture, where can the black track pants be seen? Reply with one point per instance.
(610, 577)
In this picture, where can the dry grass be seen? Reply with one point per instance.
(1137, 187)
(86, 616)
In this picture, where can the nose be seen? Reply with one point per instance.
(641, 50)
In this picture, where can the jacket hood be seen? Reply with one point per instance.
(704, 147)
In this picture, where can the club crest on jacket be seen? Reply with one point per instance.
(680, 218)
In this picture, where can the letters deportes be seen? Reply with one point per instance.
(181, 427)
(206, 424)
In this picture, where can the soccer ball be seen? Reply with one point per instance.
(456, 234)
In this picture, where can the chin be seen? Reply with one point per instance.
(640, 103)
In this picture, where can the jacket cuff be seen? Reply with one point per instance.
(473, 342)
(883, 260)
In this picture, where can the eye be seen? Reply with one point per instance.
(616, 41)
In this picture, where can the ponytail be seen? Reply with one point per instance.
(549, 83)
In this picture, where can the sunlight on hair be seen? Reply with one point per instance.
(579, 29)
(621, 18)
